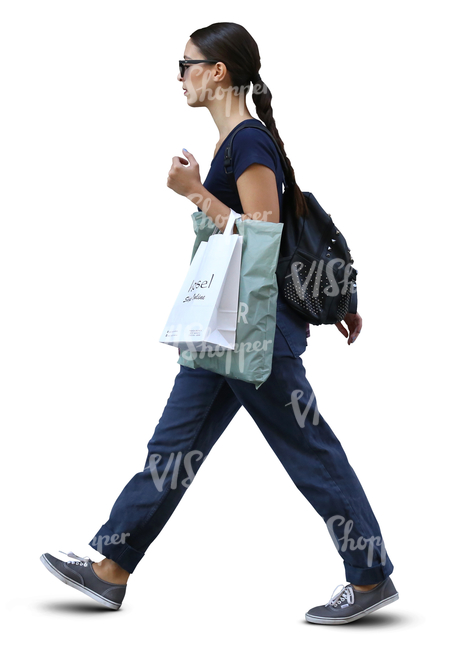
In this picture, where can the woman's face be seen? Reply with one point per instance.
(197, 79)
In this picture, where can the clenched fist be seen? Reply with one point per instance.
(184, 175)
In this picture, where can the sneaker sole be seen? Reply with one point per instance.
(85, 590)
(339, 621)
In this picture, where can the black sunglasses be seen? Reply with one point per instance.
(187, 62)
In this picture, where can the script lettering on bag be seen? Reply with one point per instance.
(196, 296)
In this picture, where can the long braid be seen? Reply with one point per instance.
(262, 98)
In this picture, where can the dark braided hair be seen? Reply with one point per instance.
(232, 44)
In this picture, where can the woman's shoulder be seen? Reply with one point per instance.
(252, 133)
(251, 139)
(255, 145)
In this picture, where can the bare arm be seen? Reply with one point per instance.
(257, 190)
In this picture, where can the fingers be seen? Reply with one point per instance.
(354, 335)
(341, 328)
(354, 324)
(356, 329)
(177, 161)
(190, 157)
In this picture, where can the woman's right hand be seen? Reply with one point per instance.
(354, 324)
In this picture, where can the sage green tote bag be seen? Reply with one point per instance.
(251, 360)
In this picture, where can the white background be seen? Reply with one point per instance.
(94, 246)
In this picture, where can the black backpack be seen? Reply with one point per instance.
(314, 272)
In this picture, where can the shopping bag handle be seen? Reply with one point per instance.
(230, 223)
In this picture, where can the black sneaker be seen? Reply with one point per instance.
(78, 573)
(348, 605)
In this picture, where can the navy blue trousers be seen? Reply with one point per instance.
(200, 407)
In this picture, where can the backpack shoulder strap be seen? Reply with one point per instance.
(228, 161)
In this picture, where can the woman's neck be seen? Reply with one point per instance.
(228, 114)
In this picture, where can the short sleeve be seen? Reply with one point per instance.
(253, 146)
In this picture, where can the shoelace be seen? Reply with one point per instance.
(77, 559)
(346, 593)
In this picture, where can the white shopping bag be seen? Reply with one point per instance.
(205, 311)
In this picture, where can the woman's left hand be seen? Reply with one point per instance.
(183, 179)
(354, 324)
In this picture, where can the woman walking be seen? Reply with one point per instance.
(217, 59)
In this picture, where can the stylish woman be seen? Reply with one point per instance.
(220, 63)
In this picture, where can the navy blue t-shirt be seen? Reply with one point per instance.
(249, 146)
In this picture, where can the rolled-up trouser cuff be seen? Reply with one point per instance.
(114, 547)
(368, 575)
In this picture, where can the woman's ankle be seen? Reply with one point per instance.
(110, 571)
(365, 587)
